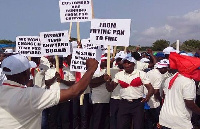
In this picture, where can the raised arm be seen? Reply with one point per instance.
(82, 84)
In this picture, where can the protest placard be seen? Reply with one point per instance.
(86, 44)
(28, 46)
(55, 43)
(114, 32)
(79, 57)
(75, 10)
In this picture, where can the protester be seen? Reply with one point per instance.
(132, 104)
(115, 93)
(60, 115)
(100, 98)
(156, 78)
(141, 65)
(180, 93)
(21, 107)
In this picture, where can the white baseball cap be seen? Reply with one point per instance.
(167, 50)
(120, 54)
(8, 51)
(16, 64)
(164, 63)
(129, 58)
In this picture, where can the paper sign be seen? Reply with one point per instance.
(28, 46)
(55, 43)
(75, 10)
(79, 57)
(86, 44)
(114, 32)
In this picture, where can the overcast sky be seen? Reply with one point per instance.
(151, 19)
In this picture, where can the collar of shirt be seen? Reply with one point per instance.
(12, 84)
(130, 74)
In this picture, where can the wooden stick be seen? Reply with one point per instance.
(114, 51)
(108, 60)
(57, 63)
(70, 30)
(92, 9)
(125, 49)
(78, 35)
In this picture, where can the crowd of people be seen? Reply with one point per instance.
(144, 90)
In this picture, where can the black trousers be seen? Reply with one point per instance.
(60, 116)
(86, 112)
(114, 108)
(100, 116)
(129, 111)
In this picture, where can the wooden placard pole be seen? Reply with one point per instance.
(114, 51)
(125, 49)
(70, 30)
(108, 60)
(57, 63)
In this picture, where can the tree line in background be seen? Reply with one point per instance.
(188, 45)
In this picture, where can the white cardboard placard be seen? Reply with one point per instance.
(28, 46)
(79, 57)
(75, 10)
(86, 44)
(114, 32)
(55, 43)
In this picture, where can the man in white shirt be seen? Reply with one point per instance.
(156, 78)
(100, 99)
(132, 104)
(21, 107)
(62, 111)
(180, 92)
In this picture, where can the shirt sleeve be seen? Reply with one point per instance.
(48, 74)
(144, 78)
(43, 98)
(189, 91)
(157, 83)
(116, 78)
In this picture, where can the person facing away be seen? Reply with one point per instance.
(21, 107)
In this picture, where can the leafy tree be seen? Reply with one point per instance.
(190, 45)
(161, 44)
(6, 42)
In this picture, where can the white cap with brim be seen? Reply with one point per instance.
(120, 54)
(16, 64)
(129, 58)
(144, 60)
(162, 64)
(8, 51)
(168, 50)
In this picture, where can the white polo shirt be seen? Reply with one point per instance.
(174, 113)
(39, 75)
(131, 92)
(100, 93)
(68, 76)
(156, 79)
(141, 65)
(21, 108)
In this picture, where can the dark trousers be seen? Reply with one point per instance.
(129, 111)
(60, 116)
(76, 113)
(86, 112)
(100, 116)
(114, 108)
(45, 119)
(152, 117)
